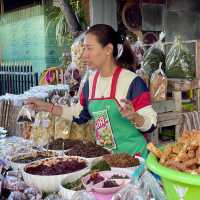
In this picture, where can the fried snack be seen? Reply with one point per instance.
(184, 155)
(158, 153)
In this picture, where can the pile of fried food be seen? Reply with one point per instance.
(184, 155)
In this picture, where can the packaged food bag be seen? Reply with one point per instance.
(26, 115)
(142, 74)
(43, 128)
(25, 119)
(154, 55)
(179, 61)
(158, 85)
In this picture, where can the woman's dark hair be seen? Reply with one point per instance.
(106, 34)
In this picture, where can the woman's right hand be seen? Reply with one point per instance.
(38, 105)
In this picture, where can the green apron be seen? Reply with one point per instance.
(126, 137)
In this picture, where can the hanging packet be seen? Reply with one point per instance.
(158, 85)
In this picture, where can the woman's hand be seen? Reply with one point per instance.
(129, 112)
(39, 105)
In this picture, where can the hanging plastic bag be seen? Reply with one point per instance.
(138, 49)
(142, 74)
(77, 49)
(25, 119)
(26, 115)
(154, 55)
(158, 85)
(179, 61)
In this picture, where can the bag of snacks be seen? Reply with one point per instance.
(158, 85)
(43, 128)
(142, 74)
(25, 119)
(179, 61)
(26, 115)
(154, 55)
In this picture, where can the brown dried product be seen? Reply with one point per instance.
(158, 85)
(88, 150)
(59, 143)
(122, 160)
(55, 166)
(183, 155)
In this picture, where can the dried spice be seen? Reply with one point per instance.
(102, 165)
(67, 143)
(109, 184)
(95, 178)
(88, 150)
(121, 160)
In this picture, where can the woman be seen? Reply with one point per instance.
(113, 96)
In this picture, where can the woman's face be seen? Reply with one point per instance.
(94, 54)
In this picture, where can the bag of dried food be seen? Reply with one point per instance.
(158, 85)
(142, 73)
(179, 61)
(154, 55)
(25, 119)
(43, 128)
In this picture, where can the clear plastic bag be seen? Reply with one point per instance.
(26, 115)
(130, 192)
(80, 195)
(17, 196)
(154, 55)
(158, 85)
(77, 49)
(142, 74)
(151, 186)
(179, 61)
(138, 49)
(53, 197)
(33, 193)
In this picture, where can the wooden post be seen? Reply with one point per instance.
(198, 99)
(177, 96)
(197, 57)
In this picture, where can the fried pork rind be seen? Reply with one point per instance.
(184, 155)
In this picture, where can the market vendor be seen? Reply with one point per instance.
(114, 97)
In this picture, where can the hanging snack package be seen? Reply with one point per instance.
(158, 85)
(142, 74)
(138, 50)
(154, 55)
(26, 115)
(77, 49)
(179, 61)
(25, 119)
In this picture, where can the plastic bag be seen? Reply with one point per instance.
(151, 186)
(77, 49)
(53, 197)
(138, 49)
(130, 192)
(80, 195)
(17, 196)
(158, 85)
(43, 128)
(142, 74)
(26, 115)
(154, 55)
(179, 61)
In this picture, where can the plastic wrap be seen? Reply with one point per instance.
(158, 85)
(130, 192)
(179, 61)
(138, 49)
(154, 55)
(142, 74)
(43, 128)
(151, 186)
(80, 195)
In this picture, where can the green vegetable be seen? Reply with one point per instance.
(101, 166)
(75, 185)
